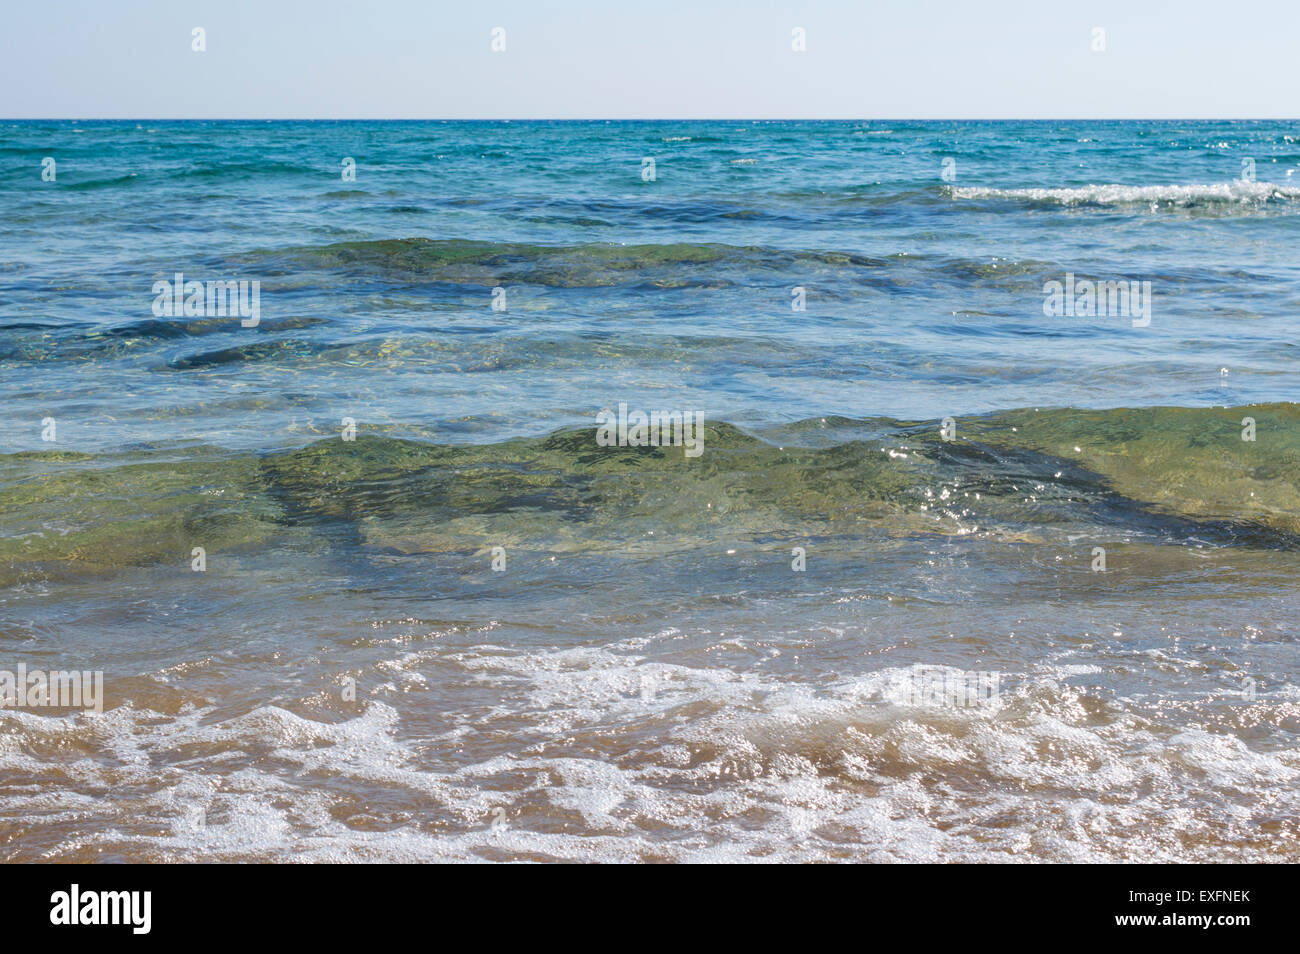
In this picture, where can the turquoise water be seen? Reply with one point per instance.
(647, 675)
(924, 297)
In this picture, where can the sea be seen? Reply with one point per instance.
(701, 491)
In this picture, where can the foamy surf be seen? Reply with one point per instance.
(1239, 192)
(709, 764)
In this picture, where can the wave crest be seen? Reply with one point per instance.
(1218, 193)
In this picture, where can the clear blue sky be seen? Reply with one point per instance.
(659, 58)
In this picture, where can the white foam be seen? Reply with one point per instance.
(1237, 191)
(576, 759)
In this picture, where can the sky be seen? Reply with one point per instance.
(671, 59)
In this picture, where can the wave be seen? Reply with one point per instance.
(41, 342)
(713, 765)
(243, 170)
(129, 178)
(1211, 194)
(236, 170)
(1168, 473)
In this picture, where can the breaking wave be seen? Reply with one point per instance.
(1239, 193)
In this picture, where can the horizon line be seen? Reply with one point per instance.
(651, 119)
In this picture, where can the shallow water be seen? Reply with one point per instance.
(681, 657)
